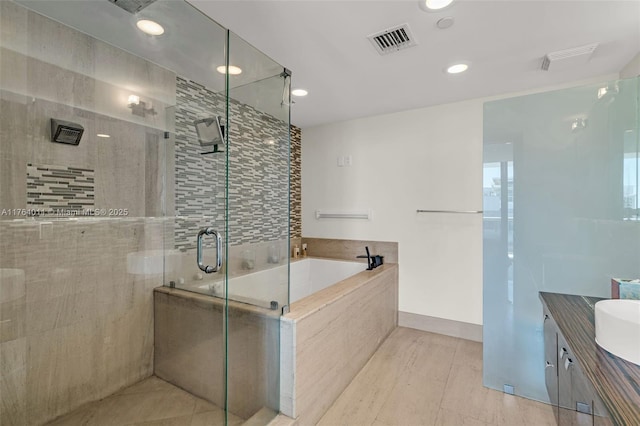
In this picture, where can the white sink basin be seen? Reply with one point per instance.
(618, 328)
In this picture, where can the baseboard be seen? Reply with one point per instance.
(463, 330)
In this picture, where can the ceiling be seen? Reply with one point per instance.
(324, 43)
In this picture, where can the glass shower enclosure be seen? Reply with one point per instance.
(139, 162)
(561, 215)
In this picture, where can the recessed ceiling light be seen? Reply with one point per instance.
(103, 135)
(435, 4)
(457, 68)
(233, 70)
(150, 27)
(299, 92)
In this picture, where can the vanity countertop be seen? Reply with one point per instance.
(616, 381)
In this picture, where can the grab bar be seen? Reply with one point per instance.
(451, 211)
(209, 269)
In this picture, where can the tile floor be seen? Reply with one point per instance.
(419, 379)
(151, 402)
(414, 379)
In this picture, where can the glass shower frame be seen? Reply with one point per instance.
(158, 253)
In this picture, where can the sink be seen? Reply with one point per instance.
(618, 328)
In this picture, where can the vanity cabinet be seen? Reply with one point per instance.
(570, 392)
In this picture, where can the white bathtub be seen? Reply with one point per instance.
(307, 277)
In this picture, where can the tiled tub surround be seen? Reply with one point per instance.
(349, 249)
(75, 325)
(327, 337)
(190, 349)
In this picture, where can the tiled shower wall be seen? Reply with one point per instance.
(258, 171)
(296, 182)
(76, 322)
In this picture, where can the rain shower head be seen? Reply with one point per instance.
(66, 132)
(210, 132)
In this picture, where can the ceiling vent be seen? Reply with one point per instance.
(568, 58)
(132, 6)
(392, 39)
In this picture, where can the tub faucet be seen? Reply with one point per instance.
(372, 261)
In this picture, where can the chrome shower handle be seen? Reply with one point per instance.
(209, 269)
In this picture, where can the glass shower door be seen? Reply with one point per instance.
(258, 230)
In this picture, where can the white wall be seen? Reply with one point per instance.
(429, 158)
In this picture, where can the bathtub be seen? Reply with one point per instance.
(338, 316)
(265, 287)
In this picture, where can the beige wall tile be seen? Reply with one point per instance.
(13, 378)
(189, 350)
(349, 249)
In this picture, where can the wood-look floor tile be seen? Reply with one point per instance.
(536, 413)
(406, 407)
(468, 353)
(174, 421)
(366, 394)
(453, 418)
(214, 418)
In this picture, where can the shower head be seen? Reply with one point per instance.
(210, 132)
(66, 132)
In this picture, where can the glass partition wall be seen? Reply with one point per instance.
(132, 161)
(560, 215)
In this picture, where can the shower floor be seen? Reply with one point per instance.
(149, 402)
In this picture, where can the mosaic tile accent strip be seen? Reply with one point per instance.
(296, 182)
(259, 158)
(59, 190)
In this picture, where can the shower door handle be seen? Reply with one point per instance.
(209, 269)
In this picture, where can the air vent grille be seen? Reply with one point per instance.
(568, 58)
(392, 39)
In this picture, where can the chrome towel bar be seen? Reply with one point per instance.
(450, 211)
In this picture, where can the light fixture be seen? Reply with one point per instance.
(299, 92)
(150, 27)
(103, 135)
(457, 68)
(140, 107)
(270, 141)
(434, 5)
(233, 70)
